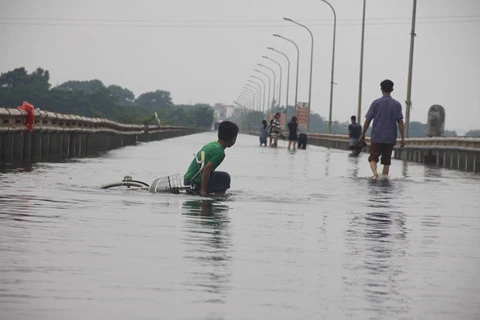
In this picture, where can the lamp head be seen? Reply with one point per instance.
(287, 19)
(277, 35)
(270, 48)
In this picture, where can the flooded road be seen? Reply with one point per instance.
(300, 235)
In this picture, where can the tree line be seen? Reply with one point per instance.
(94, 99)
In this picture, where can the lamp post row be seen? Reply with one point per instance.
(332, 82)
(288, 71)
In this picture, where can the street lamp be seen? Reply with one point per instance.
(264, 89)
(408, 102)
(274, 79)
(288, 74)
(360, 80)
(298, 59)
(258, 90)
(253, 96)
(333, 66)
(257, 86)
(245, 95)
(269, 84)
(311, 69)
(280, 81)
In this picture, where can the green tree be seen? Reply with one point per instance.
(88, 87)
(154, 100)
(473, 133)
(17, 86)
(123, 97)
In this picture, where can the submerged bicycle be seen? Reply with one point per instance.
(166, 184)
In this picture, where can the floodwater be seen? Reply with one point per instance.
(300, 235)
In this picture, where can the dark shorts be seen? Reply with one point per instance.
(381, 149)
(292, 137)
(219, 182)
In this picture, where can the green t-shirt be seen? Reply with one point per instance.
(214, 153)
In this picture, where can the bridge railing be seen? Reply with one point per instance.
(57, 136)
(461, 153)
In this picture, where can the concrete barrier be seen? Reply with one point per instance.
(56, 137)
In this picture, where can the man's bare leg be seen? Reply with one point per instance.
(373, 166)
(386, 170)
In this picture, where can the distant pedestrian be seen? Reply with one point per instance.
(354, 132)
(263, 133)
(386, 113)
(292, 134)
(275, 130)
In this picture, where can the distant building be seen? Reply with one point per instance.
(222, 111)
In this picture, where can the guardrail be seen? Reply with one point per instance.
(56, 136)
(462, 153)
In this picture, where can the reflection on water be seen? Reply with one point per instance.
(379, 235)
(207, 237)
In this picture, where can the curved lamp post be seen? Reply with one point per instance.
(333, 66)
(298, 59)
(311, 69)
(280, 81)
(360, 77)
(288, 74)
(264, 89)
(274, 79)
(252, 94)
(269, 84)
(257, 94)
(259, 88)
(250, 90)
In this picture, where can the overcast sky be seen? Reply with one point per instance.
(204, 51)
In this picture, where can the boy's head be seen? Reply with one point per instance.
(386, 86)
(353, 118)
(227, 132)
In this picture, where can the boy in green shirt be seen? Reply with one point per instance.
(207, 180)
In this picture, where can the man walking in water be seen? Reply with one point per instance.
(354, 131)
(386, 113)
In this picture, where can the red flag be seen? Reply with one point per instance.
(30, 114)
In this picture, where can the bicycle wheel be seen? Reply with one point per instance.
(126, 184)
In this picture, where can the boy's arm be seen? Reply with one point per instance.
(366, 124)
(207, 170)
(401, 128)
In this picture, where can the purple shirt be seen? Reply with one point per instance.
(385, 113)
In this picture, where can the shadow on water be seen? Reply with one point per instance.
(208, 240)
(377, 238)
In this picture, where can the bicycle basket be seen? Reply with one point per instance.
(167, 184)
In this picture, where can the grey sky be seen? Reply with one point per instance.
(206, 50)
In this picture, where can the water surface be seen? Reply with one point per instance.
(300, 235)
